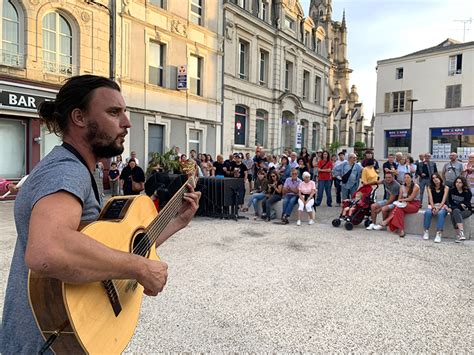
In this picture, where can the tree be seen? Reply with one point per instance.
(333, 147)
(359, 148)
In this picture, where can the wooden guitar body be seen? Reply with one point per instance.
(99, 317)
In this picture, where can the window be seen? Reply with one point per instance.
(455, 64)
(194, 140)
(397, 141)
(13, 137)
(156, 64)
(289, 23)
(263, 68)
(453, 96)
(307, 38)
(288, 76)
(195, 74)
(305, 84)
(243, 4)
(264, 12)
(11, 41)
(196, 12)
(155, 138)
(318, 46)
(240, 125)
(317, 90)
(452, 139)
(398, 101)
(399, 73)
(243, 60)
(260, 128)
(315, 142)
(57, 44)
(159, 3)
(304, 133)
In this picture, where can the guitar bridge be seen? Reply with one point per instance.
(112, 293)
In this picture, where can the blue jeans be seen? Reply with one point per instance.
(424, 182)
(439, 223)
(258, 196)
(324, 185)
(289, 201)
(347, 193)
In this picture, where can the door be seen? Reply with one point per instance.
(13, 148)
(155, 138)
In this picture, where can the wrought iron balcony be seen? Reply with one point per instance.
(9, 59)
(60, 69)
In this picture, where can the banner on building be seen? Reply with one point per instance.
(452, 131)
(401, 133)
(299, 136)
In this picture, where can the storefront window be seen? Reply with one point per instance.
(453, 139)
(13, 147)
(397, 141)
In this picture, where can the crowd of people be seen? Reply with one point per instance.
(303, 180)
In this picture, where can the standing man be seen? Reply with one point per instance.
(89, 114)
(350, 173)
(337, 176)
(452, 169)
(249, 164)
(133, 155)
(428, 168)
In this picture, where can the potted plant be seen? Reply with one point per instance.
(165, 162)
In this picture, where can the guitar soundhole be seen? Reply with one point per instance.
(142, 244)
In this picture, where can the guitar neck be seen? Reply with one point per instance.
(170, 210)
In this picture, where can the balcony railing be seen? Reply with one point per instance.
(10, 59)
(60, 69)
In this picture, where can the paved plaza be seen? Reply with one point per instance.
(252, 286)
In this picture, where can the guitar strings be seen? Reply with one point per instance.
(155, 229)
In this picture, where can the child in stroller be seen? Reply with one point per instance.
(357, 209)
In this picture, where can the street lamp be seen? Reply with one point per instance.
(411, 101)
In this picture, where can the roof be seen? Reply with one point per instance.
(447, 45)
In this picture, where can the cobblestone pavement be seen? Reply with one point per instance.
(252, 286)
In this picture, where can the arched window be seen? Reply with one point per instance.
(315, 145)
(11, 47)
(261, 128)
(335, 134)
(240, 125)
(57, 44)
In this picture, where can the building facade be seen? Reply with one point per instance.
(275, 77)
(346, 122)
(43, 43)
(169, 60)
(425, 102)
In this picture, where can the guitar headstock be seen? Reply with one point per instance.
(189, 168)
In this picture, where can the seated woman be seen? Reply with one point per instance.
(307, 190)
(272, 195)
(437, 197)
(258, 194)
(408, 202)
(301, 167)
(459, 205)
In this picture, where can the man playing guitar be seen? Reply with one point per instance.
(89, 113)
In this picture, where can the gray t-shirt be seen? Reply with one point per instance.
(59, 170)
(393, 188)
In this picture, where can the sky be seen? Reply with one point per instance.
(382, 29)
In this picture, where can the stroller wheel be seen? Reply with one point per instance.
(348, 226)
(367, 223)
(336, 222)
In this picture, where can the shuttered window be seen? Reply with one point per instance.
(453, 96)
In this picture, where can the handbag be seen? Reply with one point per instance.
(346, 176)
(137, 186)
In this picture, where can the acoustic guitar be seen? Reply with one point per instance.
(100, 317)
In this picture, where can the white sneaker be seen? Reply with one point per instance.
(370, 227)
(378, 227)
(461, 235)
(310, 222)
(426, 235)
(298, 223)
(438, 237)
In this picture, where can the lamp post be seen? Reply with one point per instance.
(411, 101)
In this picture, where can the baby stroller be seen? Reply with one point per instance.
(361, 201)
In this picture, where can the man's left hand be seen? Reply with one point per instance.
(188, 208)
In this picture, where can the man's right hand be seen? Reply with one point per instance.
(153, 276)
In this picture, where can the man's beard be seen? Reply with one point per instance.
(103, 145)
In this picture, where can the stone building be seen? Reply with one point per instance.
(156, 39)
(275, 74)
(43, 43)
(345, 113)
